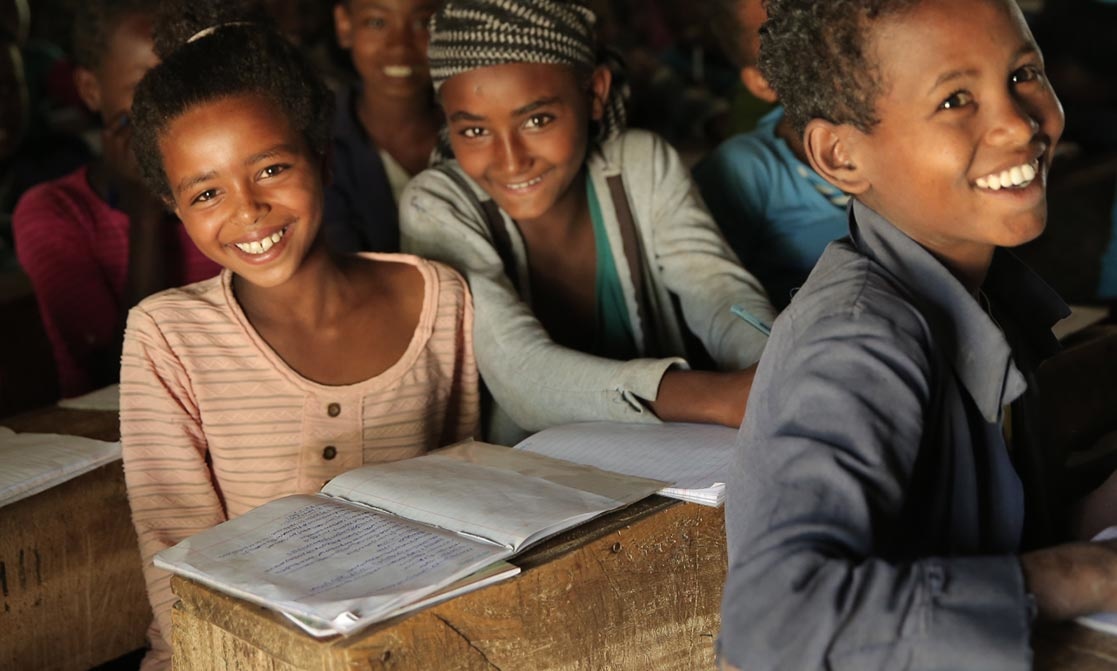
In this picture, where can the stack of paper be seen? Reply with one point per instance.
(33, 462)
(695, 458)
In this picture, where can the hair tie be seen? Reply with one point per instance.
(206, 32)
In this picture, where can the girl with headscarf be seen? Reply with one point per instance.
(598, 276)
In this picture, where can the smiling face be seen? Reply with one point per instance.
(108, 89)
(245, 186)
(968, 126)
(387, 40)
(521, 131)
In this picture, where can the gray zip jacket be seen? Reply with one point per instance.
(537, 383)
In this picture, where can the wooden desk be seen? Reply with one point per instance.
(72, 590)
(1070, 647)
(639, 589)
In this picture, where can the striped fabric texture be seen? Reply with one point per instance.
(214, 423)
(470, 34)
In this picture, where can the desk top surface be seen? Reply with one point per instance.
(53, 419)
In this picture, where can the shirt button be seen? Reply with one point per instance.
(329, 453)
(333, 409)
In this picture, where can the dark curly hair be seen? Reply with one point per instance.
(814, 54)
(215, 49)
(94, 22)
(734, 39)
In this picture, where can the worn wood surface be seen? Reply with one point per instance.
(70, 582)
(1071, 647)
(639, 589)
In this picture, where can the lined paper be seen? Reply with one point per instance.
(33, 462)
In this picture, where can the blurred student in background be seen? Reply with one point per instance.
(96, 241)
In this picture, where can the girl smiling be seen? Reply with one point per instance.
(596, 271)
(293, 365)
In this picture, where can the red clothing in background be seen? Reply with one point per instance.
(74, 247)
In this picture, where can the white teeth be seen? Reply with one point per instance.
(263, 244)
(1016, 176)
(524, 185)
(398, 70)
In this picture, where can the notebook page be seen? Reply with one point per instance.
(690, 456)
(490, 491)
(33, 462)
(325, 560)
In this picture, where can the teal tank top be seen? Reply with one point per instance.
(613, 331)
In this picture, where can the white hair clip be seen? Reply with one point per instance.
(206, 32)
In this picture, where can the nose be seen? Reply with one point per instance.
(251, 208)
(513, 156)
(1015, 122)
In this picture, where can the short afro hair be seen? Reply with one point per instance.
(814, 54)
(217, 49)
(94, 22)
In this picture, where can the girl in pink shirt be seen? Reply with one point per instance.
(293, 365)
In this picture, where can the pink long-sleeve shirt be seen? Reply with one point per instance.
(214, 423)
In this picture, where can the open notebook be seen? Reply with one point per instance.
(379, 540)
(694, 458)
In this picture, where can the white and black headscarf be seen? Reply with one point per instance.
(470, 34)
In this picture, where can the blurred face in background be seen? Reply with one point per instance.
(387, 40)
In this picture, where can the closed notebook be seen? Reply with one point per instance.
(693, 458)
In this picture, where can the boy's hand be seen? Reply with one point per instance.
(1074, 579)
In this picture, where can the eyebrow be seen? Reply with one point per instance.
(271, 152)
(970, 72)
(519, 111)
(191, 182)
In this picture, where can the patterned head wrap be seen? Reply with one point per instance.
(470, 34)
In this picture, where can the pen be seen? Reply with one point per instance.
(751, 319)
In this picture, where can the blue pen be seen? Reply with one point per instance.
(751, 319)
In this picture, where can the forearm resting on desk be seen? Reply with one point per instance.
(704, 396)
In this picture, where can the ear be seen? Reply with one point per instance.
(832, 150)
(600, 84)
(89, 89)
(757, 85)
(343, 25)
